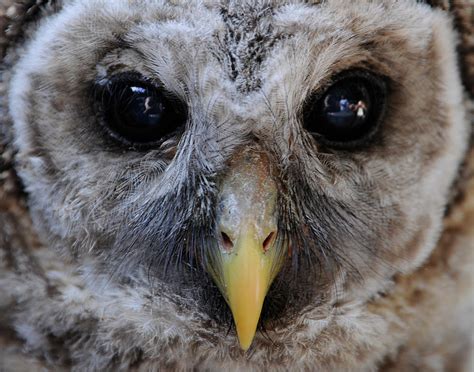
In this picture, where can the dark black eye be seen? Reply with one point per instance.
(349, 111)
(137, 112)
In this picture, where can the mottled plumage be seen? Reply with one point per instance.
(105, 249)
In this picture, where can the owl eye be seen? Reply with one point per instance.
(349, 111)
(137, 112)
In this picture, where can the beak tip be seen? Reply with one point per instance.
(246, 330)
(245, 343)
(244, 347)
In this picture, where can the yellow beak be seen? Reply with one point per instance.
(248, 259)
(247, 275)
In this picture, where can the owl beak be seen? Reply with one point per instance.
(247, 273)
(248, 258)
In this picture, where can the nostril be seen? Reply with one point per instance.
(268, 241)
(228, 245)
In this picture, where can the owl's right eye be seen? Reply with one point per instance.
(138, 113)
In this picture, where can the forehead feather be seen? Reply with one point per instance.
(244, 35)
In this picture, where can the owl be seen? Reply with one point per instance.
(236, 185)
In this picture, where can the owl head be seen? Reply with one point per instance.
(254, 161)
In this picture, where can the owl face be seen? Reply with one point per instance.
(158, 143)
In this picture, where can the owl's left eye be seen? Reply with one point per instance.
(137, 112)
(349, 111)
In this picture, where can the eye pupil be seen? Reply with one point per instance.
(345, 110)
(139, 113)
(144, 109)
(348, 111)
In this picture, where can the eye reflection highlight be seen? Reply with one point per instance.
(343, 110)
